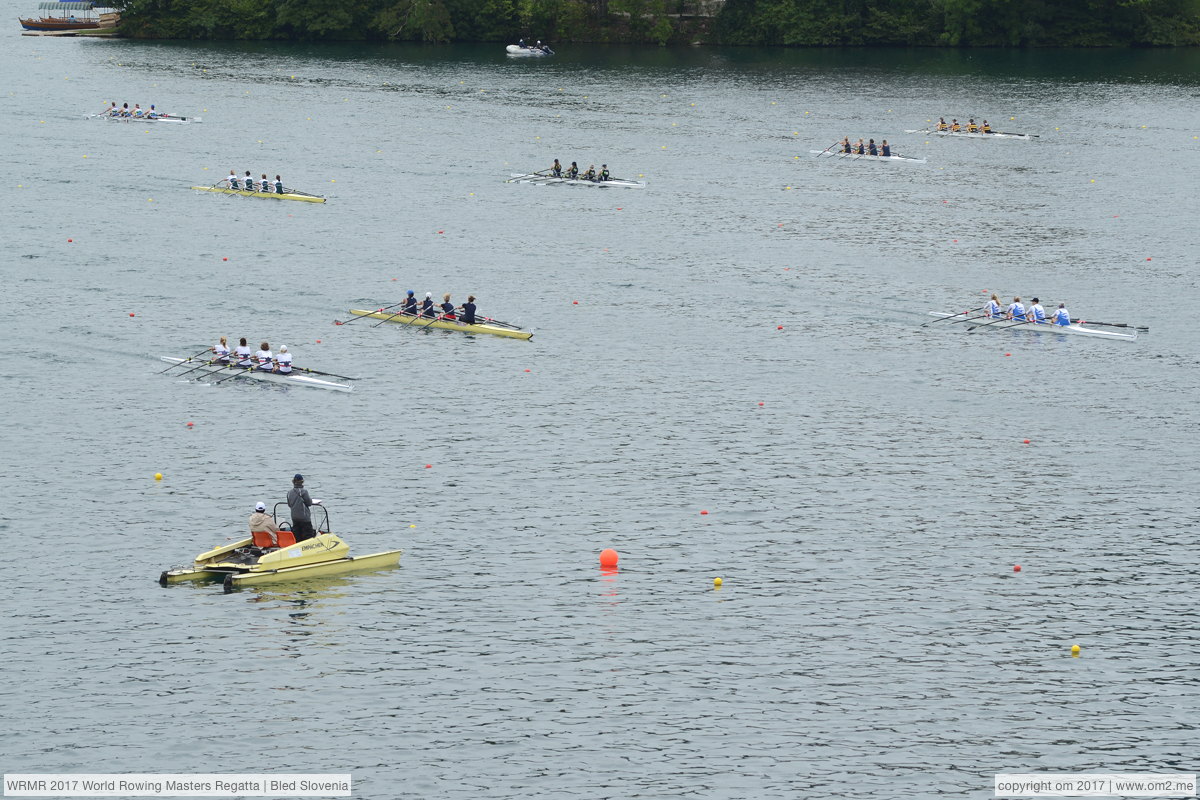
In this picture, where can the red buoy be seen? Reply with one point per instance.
(704, 513)
(1016, 567)
(608, 557)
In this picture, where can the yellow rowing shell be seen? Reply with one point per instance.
(304, 198)
(443, 324)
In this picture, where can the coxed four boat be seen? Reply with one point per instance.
(291, 194)
(443, 324)
(867, 157)
(297, 377)
(979, 321)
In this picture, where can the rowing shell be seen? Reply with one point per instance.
(293, 379)
(832, 154)
(304, 198)
(968, 135)
(542, 180)
(1041, 327)
(184, 120)
(443, 324)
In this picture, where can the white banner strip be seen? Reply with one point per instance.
(177, 785)
(1094, 784)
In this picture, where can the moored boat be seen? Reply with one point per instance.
(56, 21)
(867, 157)
(979, 322)
(244, 563)
(290, 194)
(543, 180)
(204, 368)
(978, 135)
(443, 324)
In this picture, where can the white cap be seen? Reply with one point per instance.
(429, 294)
(260, 506)
(283, 348)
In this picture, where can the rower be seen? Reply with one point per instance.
(242, 354)
(872, 149)
(1062, 316)
(604, 176)
(112, 110)
(125, 109)
(283, 361)
(1037, 314)
(942, 126)
(846, 148)
(153, 112)
(266, 361)
(573, 172)
(221, 352)
(985, 128)
(278, 185)
(468, 310)
(1016, 311)
(971, 126)
(992, 310)
(556, 169)
(860, 148)
(264, 185)
(249, 181)
(885, 149)
(447, 307)
(233, 180)
(954, 126)
(137, 110)
(590, 175)
(427, 305)
(410, 304)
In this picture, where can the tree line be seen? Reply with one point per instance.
(950, 23)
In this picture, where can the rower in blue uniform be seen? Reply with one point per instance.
(992, 310)
(860, 148)
(468, 311)
(1062, 316)
(885, 149)
(846, 145)
(427, 306)
(410, 304)
(872, 149)
(1037, 314)
(1016, 311)
(447, 308)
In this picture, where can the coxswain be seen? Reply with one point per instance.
(590, 175)
(604, 176)
(992, 310)
(885, 149)
(266, 361)
(872, 149)
(573, 172)
(468, 310)
(1016, 311)
(846, 148)
(264, 185)
(1037, 314)
(1062, 316)
(427, 305)
(942, 126)
(278, 185)
(221, 352)
(860, 148)
(985, 128)
(233, 180)
(447, 308)
(283, 361)
(971, 126)
(249, 181)
(556, 169)
(242, 354)
(410, 304)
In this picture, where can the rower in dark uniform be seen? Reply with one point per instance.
(985, 128)
(468, 310)
(410, 304)
(860, 148)
(885, 149)
(427, 306)
(971, 126)
(590, 175)
(846, 148)
(573, 172)
(447, 308)
(872, 149)
(604, 176)
(556, 170)
(942, 126)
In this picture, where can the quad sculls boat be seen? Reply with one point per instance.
(290, 194)
(981, 322)
(443, 324)
(867, 157)
(979, 134)
(297, 377)
(543, 180)
(244, 563)
(517, 51)
(159, 118)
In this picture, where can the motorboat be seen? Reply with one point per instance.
(524, 51)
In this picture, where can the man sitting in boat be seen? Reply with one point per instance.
(556, 169)
(233, 180)
(262, 527)
(278, 185)
(468, 310)
(264, 185)
(985, 128)
(590, 175)
(604, 176)
(872, 149)
(283, 361)
(954, 126)
(1062, 316)
(942, 126)
(1037, 314)
(971, 126)
(266, 361)
(249, 181)
(885, 149)
(573, 172)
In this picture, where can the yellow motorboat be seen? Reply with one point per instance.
(249, 563)
(289, 195)
(443, 324)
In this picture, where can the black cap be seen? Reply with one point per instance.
(297, 477)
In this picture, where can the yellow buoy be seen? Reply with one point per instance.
(158, 476)
(717, 582)
(1075, 651)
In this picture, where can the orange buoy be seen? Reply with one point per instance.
(703, 513)
(1016, 567)
(429, 466)
(608, 557)
(131, 313)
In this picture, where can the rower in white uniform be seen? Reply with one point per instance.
(1016, 311)
(283, 361)
(249, 181)
(1037, 314)
(242, 354)
(266, 361)
(221, 352)
(1062, 316)
(233, 180)
(993, 311)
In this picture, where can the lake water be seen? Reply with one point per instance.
(742, 337)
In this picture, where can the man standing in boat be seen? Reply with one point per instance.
(298, 502)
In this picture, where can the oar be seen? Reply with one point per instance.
(399, 313)
(201, 366)
(826, 150)
(364, 316)
(993, 322)
(1112, 324)
(541, 173)
(435, 319)
(181, 363)
(939, 319)
(1010, 133)
(500, 322)
(236, 372)
(327, 374)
